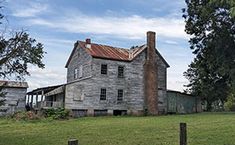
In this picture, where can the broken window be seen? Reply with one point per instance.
(103, 94)
(120, 71)
(75, 73)
(104, 69)
(120, 95)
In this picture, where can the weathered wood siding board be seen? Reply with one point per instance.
(15, 100)
(162, 87)
(79, 58)
(133, 88)
(182, 103)
(132, 84)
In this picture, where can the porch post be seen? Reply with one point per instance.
(42, 95)
(42, 101)
(28, 99)
(31, 103)
(37, 100)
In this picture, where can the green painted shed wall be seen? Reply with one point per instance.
(178, 102)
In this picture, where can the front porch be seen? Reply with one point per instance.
(47, 97)
(50, 104)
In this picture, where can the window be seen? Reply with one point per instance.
(104, 69)
(103, 94)
(120, 71)
(75, 73)
(120, 95)
(80, 71)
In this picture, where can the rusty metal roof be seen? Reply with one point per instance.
(105, 51)
(110, 52)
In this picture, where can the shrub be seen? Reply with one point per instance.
(22, 115)
(230, 103)
(56, 113)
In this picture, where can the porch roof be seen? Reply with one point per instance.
(45, 90)
(58, 90)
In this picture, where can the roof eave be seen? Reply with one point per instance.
(71, 54)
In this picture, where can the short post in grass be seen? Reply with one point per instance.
(183, 134)
(73, 142)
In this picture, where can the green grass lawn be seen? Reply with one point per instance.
(203, 129)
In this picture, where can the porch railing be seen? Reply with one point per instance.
(53, 104)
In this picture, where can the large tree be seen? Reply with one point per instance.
(17, 52)
(211, 26)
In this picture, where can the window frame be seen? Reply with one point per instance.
(80, 72)
(76, 71)
(103, 94)
(121, 71)
(122, 95)
(104, 69)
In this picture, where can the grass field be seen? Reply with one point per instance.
(203, 129)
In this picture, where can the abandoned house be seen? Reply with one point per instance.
(104, 80)
(14, 97)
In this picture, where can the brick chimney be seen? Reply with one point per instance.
(88, 43)
(150, 76)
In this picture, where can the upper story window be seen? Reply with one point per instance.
(103, 94)
(75, 73)
(120, 71)
(104, 69)
(120, 95)
(80, 71)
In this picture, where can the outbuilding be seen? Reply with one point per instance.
(14, 96)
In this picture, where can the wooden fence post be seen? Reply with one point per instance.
(73, 142)
(183, 134)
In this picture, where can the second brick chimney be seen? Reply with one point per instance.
(88, 43)
(150, 76)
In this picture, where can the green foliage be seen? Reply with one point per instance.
(230, 103)
(212, 29)
(230, 2)
(25, 116)
(56, 113)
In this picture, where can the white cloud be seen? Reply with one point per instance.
(132, 27)
(30, 10)
(171, 42)
(45, 77)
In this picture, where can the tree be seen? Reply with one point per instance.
(229, 2)
(16, 53)
(211, 26)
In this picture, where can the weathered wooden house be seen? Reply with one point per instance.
(15, 93)
(105, 80)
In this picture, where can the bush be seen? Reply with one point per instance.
(25, 116)
(229, 105)
(56, 113)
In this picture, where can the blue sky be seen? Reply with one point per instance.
(123, 23)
